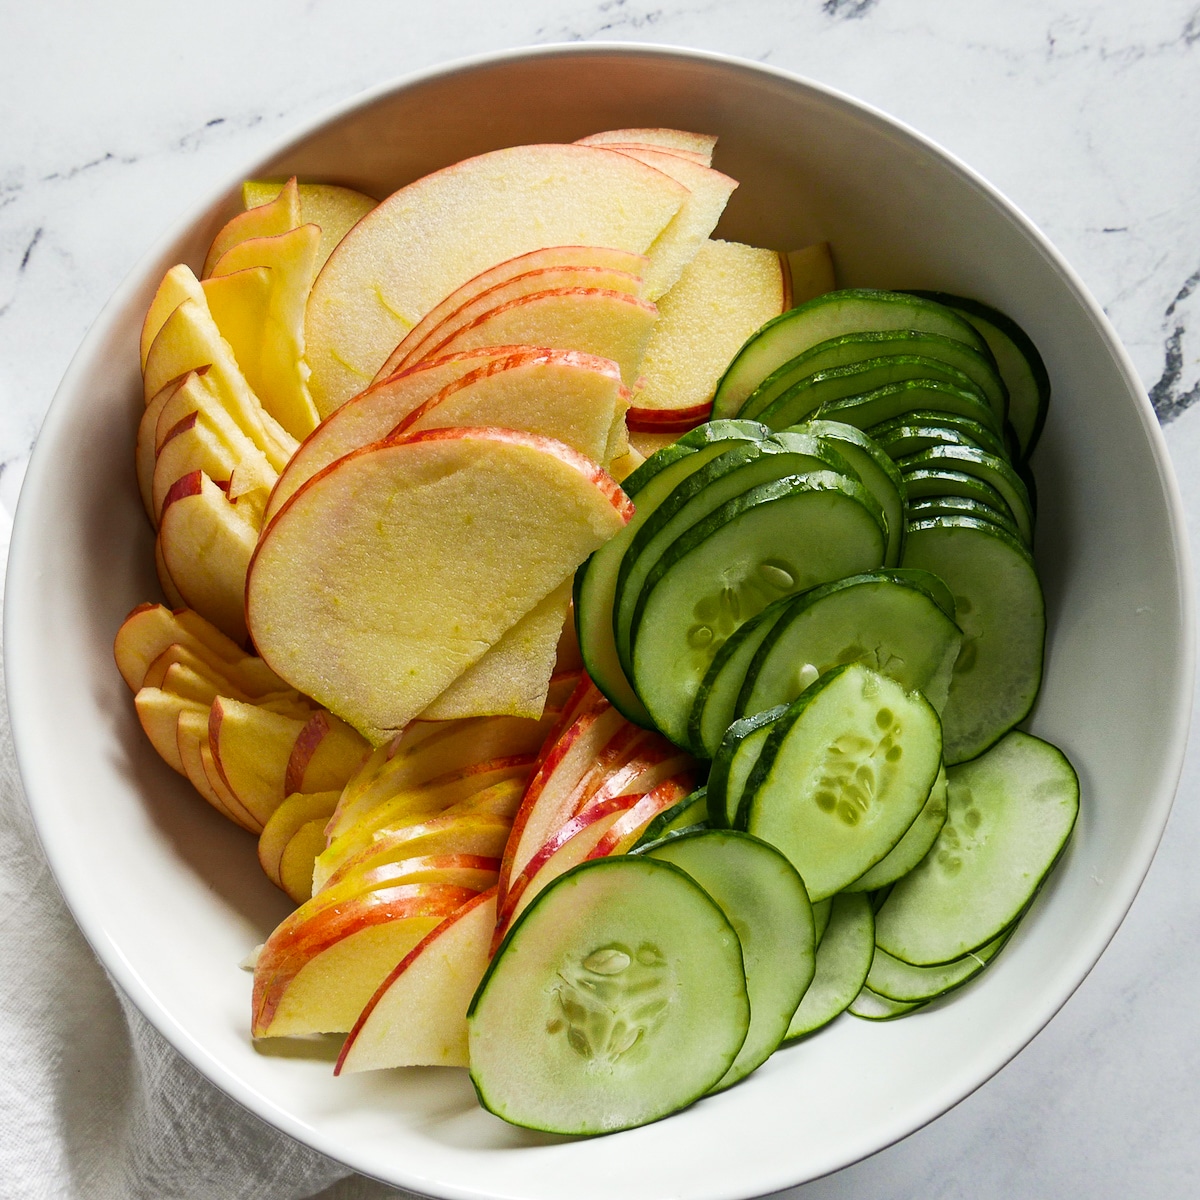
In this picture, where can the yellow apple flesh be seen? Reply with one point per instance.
(336, 210)
(699, 144)
(267, 220)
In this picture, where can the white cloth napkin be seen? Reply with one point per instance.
(94, 1103)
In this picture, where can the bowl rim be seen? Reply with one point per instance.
(20, 661)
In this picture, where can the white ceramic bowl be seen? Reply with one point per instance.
(170, 895)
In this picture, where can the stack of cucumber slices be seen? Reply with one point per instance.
(828, 593)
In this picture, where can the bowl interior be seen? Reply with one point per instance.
(170, 895)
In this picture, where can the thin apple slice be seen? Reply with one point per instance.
(145, 448)
(621, 468)
(624, 832)
(240, 304)
(726, 293)
(296, 861)
(474, 871)
(178, 654)
(170, 592)
(191, 685)
(178, 285)
(691, 226)
(700, 144)
(418, 1015)
(158, 712)
(280, 374)
(252, 748)
(334, 209)
(296, 811)
(191, 733)
(689, 155)
(811, 273)
(319, 968)
(326, 753)
(206, 548)
(612, 325)
(389, 574)
(414, 349)
(433, 235)
(267, 220)
(461, 298)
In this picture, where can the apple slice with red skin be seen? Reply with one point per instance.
(475, 871)
(181, 680)
(178, 655)
(325, 755)
(701, 145)
(158, 711)
(297, 810)
(317, 971)
(191, 733)
(334, 209)
(393, 570)
(266, 220)
(418, 1015)
(612, 325)
(145, 449)
(178, 285)
(567, 847)
(251, 748)
(689, 155)
(430, 237)
(503, 273)
(623, 833)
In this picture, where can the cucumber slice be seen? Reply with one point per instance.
(844, 772)
(730, 474)
(1010, 814)
(884, 621)
(903, 437)
(897, 399)
(877, 472)
(617, 997)
(855, 347)
(927, 582)
(715, 706)
(1003, 618)
(844, 957)
(684, 815)
(1019, 362)
(821, 911)
(732, 764)
(897, 980)
(831, 315)
(595, 581)
(806, 395)
(870, 1006)
(987, 467)
(928, 483)
(778, 538)
(962, 506)
(910, 849)
(765, 901)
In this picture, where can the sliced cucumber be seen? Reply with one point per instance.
(897, 399)
(1019, 362)
(616, 998)
(855, 347)
(821, 911)
(903, 437)
(727, 476)
(765, 901)
(870, 1006)
(877, 472)
(732, 764)
(844, 957)
(882, 620)
(1010, 814)
(684, 815)
(596, 580)
(962, 506)
(912, 847)
(897, 980)
(715, 706)
(1001, 612)
(935, 483)
(806, 395)
(834, 314)
(844, 772)
(927, 582)
(776, 539)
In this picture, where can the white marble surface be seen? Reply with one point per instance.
(116, 117)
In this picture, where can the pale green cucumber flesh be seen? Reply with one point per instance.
(857, 310)
(897, 980)
(821, 911)
(617, 998)
(732, 764)
(912, 847)
(870, 1006)
(777, 539)
(844, 773)
(928, 507)
(876, 618)
(768, 907)
(932, 483)
(844, 956)
(999, 608)
(1010, 813)
(897, 399)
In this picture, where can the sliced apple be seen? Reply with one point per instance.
(433, 235)
(145, 449)
(319, 968)
(699, 144)
(336, 210)
(171, 593)
(180, 680)
(418, 1015)
(624, 832)
(296, 861)
(177, 654)
(191, 733)
(325, 755)
(158, 711)
(296, 811)
(252, 748)
(726, 293)
(280, 374)
(596, 257)
(621, 468)
(474, 871)
(811, 273)
(178, 285)
(267, 220)
(389, 574)
(240, 304)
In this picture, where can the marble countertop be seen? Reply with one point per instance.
(1087, 115)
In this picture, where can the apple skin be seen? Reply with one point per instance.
(700, 145)
(267, 220)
